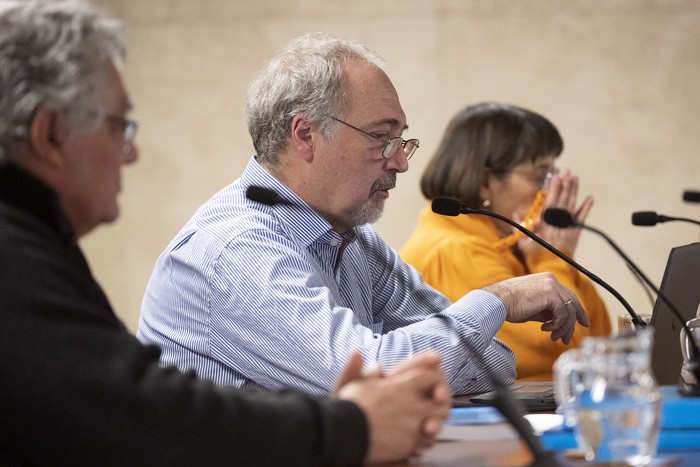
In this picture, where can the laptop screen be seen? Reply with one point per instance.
(681, 286)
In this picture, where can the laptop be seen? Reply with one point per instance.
(536, 396)
(681, 286)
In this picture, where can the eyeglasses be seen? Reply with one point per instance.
(539, 177)
(391, 145)
(128, 128)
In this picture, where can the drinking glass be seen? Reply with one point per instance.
(607, 392)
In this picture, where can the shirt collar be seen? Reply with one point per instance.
(307, 225)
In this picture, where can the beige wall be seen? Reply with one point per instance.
(621, 80)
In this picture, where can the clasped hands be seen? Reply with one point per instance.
(404, 408)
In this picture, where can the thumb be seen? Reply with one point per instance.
(352, 371)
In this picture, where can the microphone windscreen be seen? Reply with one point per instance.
(691, 196)
(447, 206)
(262, 195)
(558, 218)
(644, 218)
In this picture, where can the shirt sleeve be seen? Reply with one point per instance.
(274, 320)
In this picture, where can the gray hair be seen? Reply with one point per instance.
(52, 54)
(307, 76)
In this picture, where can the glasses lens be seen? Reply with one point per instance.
(391, 147)
(410, 147)
(130, 127)
(547, 179)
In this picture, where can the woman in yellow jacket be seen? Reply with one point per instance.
(501, 158)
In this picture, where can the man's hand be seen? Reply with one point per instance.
(540, 297)
(404, 409)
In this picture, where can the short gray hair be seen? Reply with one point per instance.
(52, 54)
(307, 76)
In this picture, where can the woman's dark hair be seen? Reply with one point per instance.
(487, 135)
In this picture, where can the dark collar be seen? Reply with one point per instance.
(23, 191)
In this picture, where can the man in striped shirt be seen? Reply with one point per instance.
(273, 296)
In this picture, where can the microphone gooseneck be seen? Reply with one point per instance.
(651, 218)
(563, 219)
(454, 207)
(505, 403)
(512, 411)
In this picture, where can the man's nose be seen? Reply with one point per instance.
(131, 153)
(398, 162)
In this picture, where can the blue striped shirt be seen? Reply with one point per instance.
(271, 297)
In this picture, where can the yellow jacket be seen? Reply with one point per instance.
(457, 254)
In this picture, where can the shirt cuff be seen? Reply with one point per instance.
(487, 309)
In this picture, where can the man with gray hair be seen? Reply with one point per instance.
(278, 290)
(76, 387)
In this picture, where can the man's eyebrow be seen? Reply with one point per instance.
(389, 121)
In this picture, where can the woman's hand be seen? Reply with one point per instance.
(562, 193)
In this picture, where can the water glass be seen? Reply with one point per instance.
(606, 390)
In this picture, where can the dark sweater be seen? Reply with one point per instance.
(77, 389)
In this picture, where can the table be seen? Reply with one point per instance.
(477, 453)
(493, 449)
(514, 453)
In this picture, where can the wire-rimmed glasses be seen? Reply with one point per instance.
(540, 177)
(129, 128)
(392, 145)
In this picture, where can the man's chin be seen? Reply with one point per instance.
(110, 216)
(371, 212)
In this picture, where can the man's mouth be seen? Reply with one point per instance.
(384, 185)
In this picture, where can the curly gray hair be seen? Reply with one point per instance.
(306, 76)
(52, 54)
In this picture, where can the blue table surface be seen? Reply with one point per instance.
(679, 442)
(680, 425)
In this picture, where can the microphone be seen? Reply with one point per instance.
(691, 196)
(650, 218)
(265, 196)
(454, 207)
(563, 219)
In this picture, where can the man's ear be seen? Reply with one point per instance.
(303, 137)
(46, 136)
